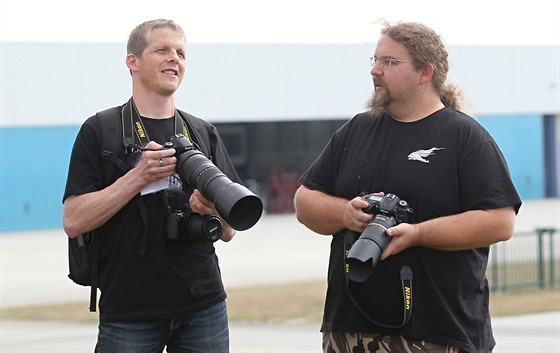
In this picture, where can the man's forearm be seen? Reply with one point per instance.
(468, 230)
(322, 213)
(86, 212)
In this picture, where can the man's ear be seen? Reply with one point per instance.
(427, 73)
(131, 62)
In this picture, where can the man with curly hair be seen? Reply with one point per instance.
(415, 143)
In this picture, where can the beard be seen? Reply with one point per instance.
(378, 101)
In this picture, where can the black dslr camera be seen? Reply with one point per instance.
(237, 205)
(364, 255)
(191, 225)
(182, 223)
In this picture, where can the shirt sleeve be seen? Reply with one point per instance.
(321, 173)
(85, 173)
(486, 180)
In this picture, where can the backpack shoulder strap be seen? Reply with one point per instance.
(109, 124)
(111, 130)
(199, 130)
(111, 136)
(94, 263)
(114, 131)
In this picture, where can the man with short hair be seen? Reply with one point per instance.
(158, 288)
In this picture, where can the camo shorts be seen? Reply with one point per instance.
(343, 342)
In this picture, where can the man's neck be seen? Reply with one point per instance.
(154, 106)
(413, 112)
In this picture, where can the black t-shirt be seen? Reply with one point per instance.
(172, 277)
(442, 165)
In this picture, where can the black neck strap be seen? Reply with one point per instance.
(406, 282)
(134, 130)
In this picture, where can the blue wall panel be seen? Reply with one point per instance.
(33, 165)
(520, 137)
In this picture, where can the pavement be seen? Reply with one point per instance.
(276, 250)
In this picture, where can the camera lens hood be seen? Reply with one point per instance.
(362, 259)
(239, 206)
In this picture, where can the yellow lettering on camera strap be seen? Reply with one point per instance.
(406, 277)
(137, 125)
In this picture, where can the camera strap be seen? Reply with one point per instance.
(406, 277)
(135, 131)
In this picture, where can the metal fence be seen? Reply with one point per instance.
(527, 260)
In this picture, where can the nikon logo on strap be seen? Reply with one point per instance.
(140, 129)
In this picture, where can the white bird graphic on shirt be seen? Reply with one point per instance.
(420, 155)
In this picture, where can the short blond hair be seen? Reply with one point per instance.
(137, 40)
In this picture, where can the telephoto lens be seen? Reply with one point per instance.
(364, 255)
(237, 205)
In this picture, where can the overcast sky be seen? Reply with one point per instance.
(282, 21)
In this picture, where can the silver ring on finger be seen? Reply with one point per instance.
(161, 162)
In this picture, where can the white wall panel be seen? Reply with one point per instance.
(64, 83)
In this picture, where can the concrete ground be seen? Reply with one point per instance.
(276, 250)
(535, 333)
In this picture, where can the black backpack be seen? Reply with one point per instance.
(83, 251)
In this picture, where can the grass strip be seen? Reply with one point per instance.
(293, 303)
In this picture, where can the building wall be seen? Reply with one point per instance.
(33, 168)
(276, 105)
(521, 139)
(61, 84)
(34, 163)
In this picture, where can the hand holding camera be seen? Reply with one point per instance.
(156, 162)
(363, 257)
(235, 204)
(201, 205)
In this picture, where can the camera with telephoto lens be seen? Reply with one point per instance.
(364, 255)
(237, 205)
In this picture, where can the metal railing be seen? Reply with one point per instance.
(527, 260)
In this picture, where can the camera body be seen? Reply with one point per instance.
(180, 143)
(182, 223)
(364, 255)
(188, 225)
(389, 205)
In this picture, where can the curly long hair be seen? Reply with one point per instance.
(426, 46)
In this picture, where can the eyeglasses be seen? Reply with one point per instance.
(386, 61)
